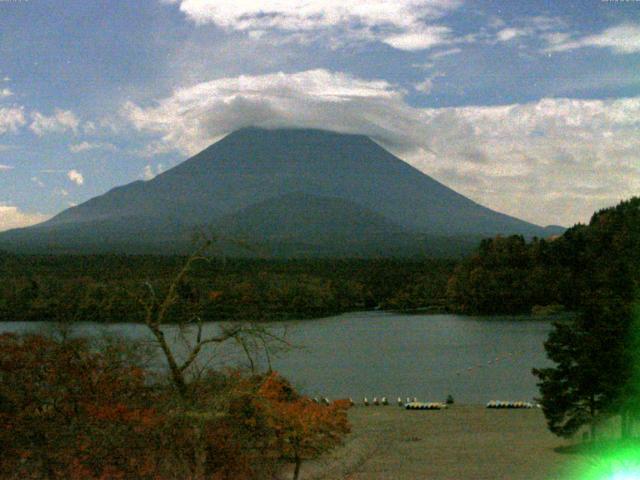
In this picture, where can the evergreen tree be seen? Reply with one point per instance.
(596, 355)
(592, 372)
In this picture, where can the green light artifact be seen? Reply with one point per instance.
(619, 459)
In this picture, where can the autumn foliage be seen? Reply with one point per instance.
(302, 429)
(69, 410)
(63, 406)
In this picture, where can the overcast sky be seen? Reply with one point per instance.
(530, 108)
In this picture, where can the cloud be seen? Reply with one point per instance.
(61, 121)
(5, 167)
(445, 53)
(400, 23)
(150, 173)
(194, 117)
(419, 38)
(75, 176)
(5, 92)
(85, 146)
(37, 181)
(621, 39)
(11, 119)
(12, 217)
(507, 34)
(426, 86)
(551, 161)
(534, 27)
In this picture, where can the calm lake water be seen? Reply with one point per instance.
(475, 359)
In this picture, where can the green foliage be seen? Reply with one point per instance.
(596, 354)
(495, 279)
(506, 275)
(592, 269)
(591, 369)
(107, 288)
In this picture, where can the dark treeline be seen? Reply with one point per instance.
(597, 354)
(507, 275)
(593, 270)
(108, 288)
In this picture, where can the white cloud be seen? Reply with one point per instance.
(507, 34)
(423, 66)
(149, 172)
(534, 27)
(81, 147)
(552, 161)
(310, 14)
(426, 86)
(37, 181)
(75, 176)
(5, 92)
(194, 117)
(445, 53)
(5, 167)
(399, 23)
(61, 192)
(621, 39)
(89, 127)
(154, 148)
(60, 122)
(6, 79)
(12, 217)
(85, 146)
(11, 119)
(419, 38)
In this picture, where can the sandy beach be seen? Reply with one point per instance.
(462, 442)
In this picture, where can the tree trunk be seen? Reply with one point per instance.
(625, 423)
(296, 470)
(592, 412)
(200, 455)
(176, 373)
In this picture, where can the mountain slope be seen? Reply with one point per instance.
(237, 175)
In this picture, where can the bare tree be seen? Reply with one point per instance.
(252, 338)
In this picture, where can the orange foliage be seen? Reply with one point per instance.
(303, 429)
(69, 412)
(215, 295)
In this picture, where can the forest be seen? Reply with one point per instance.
(507, 275)
(108, 288)
(592, 270)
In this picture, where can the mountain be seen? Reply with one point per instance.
(288, 192)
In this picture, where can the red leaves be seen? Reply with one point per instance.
(303, 429)
(215, 295)
(68, 412)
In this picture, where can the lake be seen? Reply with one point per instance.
(475, 359)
